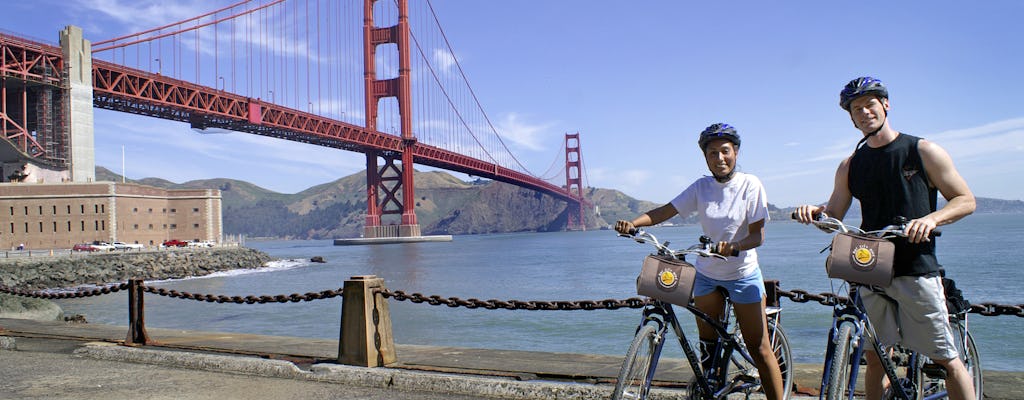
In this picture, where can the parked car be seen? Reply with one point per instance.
(83, 247)
(200, 244)
(102, 246)
(175, 243)
(128, 246)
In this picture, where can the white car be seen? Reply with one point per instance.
(102, 246)
(200, 244)
(128, 246)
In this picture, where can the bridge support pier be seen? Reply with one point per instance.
(78, 57)
(366, 338)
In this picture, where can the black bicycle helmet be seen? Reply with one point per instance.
(718, 131)
(859, 87)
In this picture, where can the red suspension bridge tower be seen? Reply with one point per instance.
(390, 178)
(574, 181)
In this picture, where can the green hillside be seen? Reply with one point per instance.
(444, 205)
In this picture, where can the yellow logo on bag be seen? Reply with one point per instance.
(667, 278)
(863, 256)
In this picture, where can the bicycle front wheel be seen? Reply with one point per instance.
(839, 372)
(784, 356)
(633, 381)
(931, 385)
(972, 360)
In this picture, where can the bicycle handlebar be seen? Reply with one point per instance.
(897, 229)
(706, 248)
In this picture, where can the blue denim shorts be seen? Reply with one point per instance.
(745, 290)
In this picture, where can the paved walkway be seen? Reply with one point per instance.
(421, 371)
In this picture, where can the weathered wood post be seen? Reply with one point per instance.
(366, 338)
(771, 287)
(136, 314)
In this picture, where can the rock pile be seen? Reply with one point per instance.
(83, 269)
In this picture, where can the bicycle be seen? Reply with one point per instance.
(729, 367)
(920, 378)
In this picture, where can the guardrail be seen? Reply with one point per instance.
(366, 336)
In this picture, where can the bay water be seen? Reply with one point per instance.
(982, 253)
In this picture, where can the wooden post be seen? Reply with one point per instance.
(136, 315)
(771, 288)
(366, 338)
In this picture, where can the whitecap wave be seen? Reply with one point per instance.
(271, 266)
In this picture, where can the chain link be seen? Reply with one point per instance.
(281, 298)
(39, 294)
(795, 295)
(607, 304)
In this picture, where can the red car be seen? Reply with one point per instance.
(83, 247)
(175, 243)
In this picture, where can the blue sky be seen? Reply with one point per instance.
(639, 81)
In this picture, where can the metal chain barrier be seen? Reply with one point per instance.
(281, 298)
(607, 304)
(65, 295)
(797, 295)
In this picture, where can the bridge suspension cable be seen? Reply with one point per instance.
(469, 87)
(306, 55)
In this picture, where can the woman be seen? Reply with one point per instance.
(732, 208)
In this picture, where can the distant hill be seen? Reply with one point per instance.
(985, 205)
(444, 205)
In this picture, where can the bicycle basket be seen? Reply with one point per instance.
(667, 279)
(861, 259)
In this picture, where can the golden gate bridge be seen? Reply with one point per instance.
(299, 70)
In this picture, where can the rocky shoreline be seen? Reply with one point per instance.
(69, 271)
(98, 269)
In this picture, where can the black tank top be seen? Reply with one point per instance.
(890, 181)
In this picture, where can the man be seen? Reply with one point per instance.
(895, 174)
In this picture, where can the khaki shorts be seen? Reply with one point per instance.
(914, 315)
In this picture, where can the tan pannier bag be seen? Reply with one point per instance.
(666, 279)
(861, 259)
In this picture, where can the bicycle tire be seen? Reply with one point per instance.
(839, 372)
(929, 386)
(632, 380)
(784, 356)
(972, 360)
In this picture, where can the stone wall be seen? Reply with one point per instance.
(69, 271)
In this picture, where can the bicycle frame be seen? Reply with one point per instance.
(852, 312)
(719, 378)
(664, 316)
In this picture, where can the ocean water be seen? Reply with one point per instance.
(980, 252)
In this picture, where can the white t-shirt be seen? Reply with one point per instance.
(725, 211)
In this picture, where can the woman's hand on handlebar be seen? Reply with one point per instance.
(726, 249)
(625, 227)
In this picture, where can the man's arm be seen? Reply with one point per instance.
(838, 204)
(943, 175)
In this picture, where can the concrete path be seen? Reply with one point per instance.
(274, 366)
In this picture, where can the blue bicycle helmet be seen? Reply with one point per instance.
(718, 131)
(859, 87)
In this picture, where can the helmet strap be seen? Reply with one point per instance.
(885, 117)
(727, 177)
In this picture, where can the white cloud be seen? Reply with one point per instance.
(443, 60)
(512, 127)
(143, 14)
